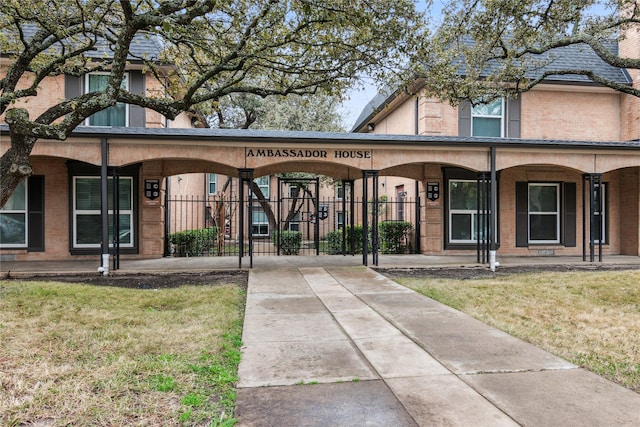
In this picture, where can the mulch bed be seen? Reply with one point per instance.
(239, 277)
(149, 280)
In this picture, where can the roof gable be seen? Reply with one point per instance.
(572, 57)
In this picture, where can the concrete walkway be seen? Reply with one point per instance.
(345, 346)
(195, 264)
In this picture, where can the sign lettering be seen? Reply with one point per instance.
(308, 153)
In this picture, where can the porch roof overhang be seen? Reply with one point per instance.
(335, 138)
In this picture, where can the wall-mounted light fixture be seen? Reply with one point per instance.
(371, 127)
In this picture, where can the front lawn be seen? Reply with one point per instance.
(591, 319)
(77, 354)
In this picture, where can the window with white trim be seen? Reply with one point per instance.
(488, 119)
(263, 184)
(13, 219)
(260, 222)
(294, 224)
(463, 212)
(339, 219)
(117, 115)
(544, 213)
(86, 211)
(212, 183)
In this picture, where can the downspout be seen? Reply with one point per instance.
(416, 117)
(493, 226)
(104, 209)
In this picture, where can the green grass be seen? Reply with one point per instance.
(591, 319)
(76, 354)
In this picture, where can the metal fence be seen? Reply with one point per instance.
(210, 226)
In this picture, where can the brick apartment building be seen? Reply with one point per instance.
(565, 157)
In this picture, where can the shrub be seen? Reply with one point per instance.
(194, 242)
(334, 241)
(394, 237)
(290, 241)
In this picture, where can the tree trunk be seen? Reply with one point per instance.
(15, 165)
(266, 206)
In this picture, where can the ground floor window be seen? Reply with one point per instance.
(339, 219)
(260, 222)
(13, 219)
(87, 216)
(294, 224)
(544, 213)
(466, 222)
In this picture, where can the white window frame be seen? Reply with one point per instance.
(125, 85)
(471, 212)
(475, 114)
(212, 179)
(25, 212)
(256, 210)
(340, 191)
(557, 212)
(123, 212)
(264, 183)
(340, 217)
(294, 224)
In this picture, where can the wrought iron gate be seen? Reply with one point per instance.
(295, 222)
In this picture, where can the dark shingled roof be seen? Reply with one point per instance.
(575, 57)
(144, 45)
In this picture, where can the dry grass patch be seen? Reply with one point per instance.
(75, 354)
(591, 319)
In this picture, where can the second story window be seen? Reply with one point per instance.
(212, 183)
(488, 119)
(112, 116)
(263, 184)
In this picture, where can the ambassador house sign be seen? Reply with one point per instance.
(308, 153)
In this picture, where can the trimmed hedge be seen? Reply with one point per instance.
(194, 242)
(394, 237)
(290, 241)
(334, 241)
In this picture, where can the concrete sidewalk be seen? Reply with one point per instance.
(198, 264)
(345, 346)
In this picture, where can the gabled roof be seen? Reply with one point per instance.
(144, 45)
(581, 57)
(575, 57)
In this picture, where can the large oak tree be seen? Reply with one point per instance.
(211, 48)
(489, 48)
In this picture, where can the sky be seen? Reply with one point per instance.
(355, 103)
